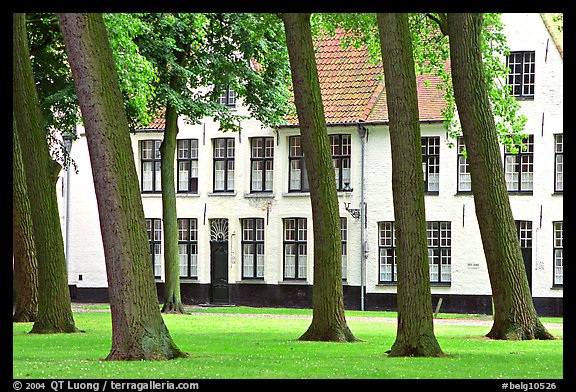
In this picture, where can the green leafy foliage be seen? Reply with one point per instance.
(431, 56)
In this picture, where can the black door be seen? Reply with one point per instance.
(219, 272)
(524, 229)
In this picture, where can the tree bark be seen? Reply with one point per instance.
(328, 321)
(138, 330)
(415, 331)
(54, 309)
(172, 297)
(25, 264)
(514, 313)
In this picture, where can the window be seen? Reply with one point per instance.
(154, 231)
(387, 252)
(521, 76)
(558, 253)
(150, 157)
(439, 251)
(295, 248)
(187, 161)
(344, 239)
(298, 177)
(431, 163)
(341, 148)
(253, 248)
(558, 163)
(519, 168)
(227, 97)
(188, 247)
(262, 164)
(224, 165)
(464, 177)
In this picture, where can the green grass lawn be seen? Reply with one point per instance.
(225, 346)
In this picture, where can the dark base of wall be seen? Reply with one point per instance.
(300, 296)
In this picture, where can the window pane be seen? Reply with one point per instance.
(183, 230)
(183, 149)
(290, 260)
(183, 175)
(257, 175)
(269, 175)
(147, 176)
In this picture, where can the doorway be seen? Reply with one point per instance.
(219, 288)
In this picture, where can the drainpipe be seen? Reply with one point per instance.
(362, 134)
(68, 145)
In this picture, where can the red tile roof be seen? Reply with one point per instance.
(353, 88)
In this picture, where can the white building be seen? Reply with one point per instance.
(245, 218)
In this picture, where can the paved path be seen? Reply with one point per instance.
(437, 321)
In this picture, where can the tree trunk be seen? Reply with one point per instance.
(415, 331)
(54, 310)
(138, 330)
(25, 264)
(328, 321)
(172, 298)
(514, 313)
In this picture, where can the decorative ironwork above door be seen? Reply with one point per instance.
(219, 229)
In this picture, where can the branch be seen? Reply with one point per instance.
(442, 22)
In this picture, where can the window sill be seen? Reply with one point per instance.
(440, 284)
(431, 193)
(293, 282)
(558, 193)
(296, 194)
(222, 194)
(520, 193)
(256, 195)
(192, 279)
(251, 281)
(387, 284)
(187, 194)
(557, 287)
(464, 193)
(151, 194)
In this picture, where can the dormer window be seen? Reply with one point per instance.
(227, 97)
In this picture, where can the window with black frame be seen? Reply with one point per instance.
(227, 97)
(341, 149)
(431, 164)
(252, 248)
(387, 253)
(150, 165)
(558, 163)
(223, 165)
(298, 176)
(439, 252)
(519, 166)
(521, 78)
(261, 164)
(464, 176)
(187, 164)
(558, 253)
(295, 248)
(154, 232)
(188, 247)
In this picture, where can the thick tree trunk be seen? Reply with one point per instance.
(25, 265)
(328, 321)
(138, 330)
(54, 310)
(172, 298)
(415, 332)
(514, 313)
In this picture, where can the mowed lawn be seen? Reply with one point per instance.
(265, 346)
